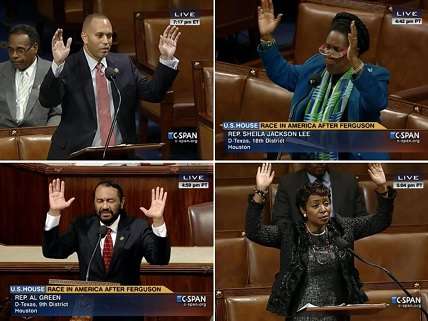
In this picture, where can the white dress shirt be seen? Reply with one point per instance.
(24, 81)
(53, 221)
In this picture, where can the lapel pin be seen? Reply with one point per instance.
(122, 238)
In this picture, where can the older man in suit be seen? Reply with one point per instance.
(126, 240)
(88, 98)
(20, 80)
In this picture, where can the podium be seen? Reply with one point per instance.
(79, 282)
(349, 309)
(117, 152)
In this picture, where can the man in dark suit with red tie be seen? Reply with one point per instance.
(126, 241)
(88, 99)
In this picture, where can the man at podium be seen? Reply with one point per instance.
(110, 244)
(82, 83)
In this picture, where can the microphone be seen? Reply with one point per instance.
(111, 74)
(101, 233)
(315, 80)
(343, 244)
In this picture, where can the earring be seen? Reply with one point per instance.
(304, 214)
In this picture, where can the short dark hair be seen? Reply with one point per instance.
(108, 183)
(28, 30)
(309, 189)
(342, 23)
(92, 16)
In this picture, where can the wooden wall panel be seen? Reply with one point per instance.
(24, 189)
(23, 195)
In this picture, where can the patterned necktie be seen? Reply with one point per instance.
(103, 106)
(21, 94)
(108, 249)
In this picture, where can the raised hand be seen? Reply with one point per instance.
(157, 207)
(60, 51)
(168, 42)
(378, 176)
(264, 177)
(352, 53)
(267, 20)
(57, 200)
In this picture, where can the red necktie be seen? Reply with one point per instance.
(108, 249)
(103, 106)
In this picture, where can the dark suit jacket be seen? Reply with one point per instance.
(75, 91)
(134, 240)
(35, 114)
(347, 197)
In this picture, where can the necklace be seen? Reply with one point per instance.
(322, 253)
(315, 234)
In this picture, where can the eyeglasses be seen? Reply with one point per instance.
(328, 50)
(19, 51)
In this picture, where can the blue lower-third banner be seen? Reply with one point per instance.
(40, 300)
(313, 141)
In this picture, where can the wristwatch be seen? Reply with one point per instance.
(267, 44)
(358, 69)
(261, 193)
(384, 194)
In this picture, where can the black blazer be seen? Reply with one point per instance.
(347, 197)
(134, 240)
(75, 91)
(292, 240)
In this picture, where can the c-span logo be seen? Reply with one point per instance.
(192, 300)
(405, 137)
(406, 301)
(183, 136)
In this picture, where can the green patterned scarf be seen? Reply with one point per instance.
(328, 104)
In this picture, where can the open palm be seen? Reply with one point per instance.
(57, 200)
(168, 41)
(377, 174)
(157, 206)
(264, 177)
(60, 51)
(266, 18)
(352, 53)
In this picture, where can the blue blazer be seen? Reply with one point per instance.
(368, 97)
